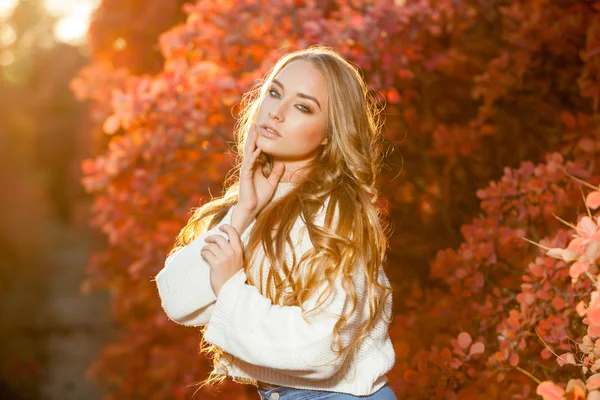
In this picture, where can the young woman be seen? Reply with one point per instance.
(284, 271)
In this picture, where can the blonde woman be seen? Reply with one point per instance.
(284, 271)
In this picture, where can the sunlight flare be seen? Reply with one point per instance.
(74, 18)
(6, 7)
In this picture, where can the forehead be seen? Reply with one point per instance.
(301, 76)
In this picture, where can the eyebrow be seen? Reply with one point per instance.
(299, 94)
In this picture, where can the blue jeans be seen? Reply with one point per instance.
(287, 393)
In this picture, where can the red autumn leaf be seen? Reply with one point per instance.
(464, 340)
(587, 144)
(583, 119)
(565, 358)
(545, 353)
(558, 303)
(410, 376)
(569, 120)
(393, 96)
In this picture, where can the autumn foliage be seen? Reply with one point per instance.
(492, 120)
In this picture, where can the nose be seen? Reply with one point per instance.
(277, 113)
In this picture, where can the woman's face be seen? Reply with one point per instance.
(295, 107)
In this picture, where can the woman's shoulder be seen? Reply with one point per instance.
(320, 218)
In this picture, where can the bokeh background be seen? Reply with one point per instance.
(116, 118)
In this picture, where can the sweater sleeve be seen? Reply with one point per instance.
(246, 325)
(184, 282)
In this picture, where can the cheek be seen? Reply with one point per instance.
(262, 108)
(314, 135)
(267, 104)
(313, 139)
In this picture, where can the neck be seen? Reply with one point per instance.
(292, 172)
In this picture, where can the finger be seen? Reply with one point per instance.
(209, 257)
(250, 140)
(212, 248)
(254, 157)
(218, 240)
(276, 174)
(249, 164)
(234, 238)
(250, 158)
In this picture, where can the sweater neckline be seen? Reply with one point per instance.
(283, 188)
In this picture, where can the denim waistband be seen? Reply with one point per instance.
(288, 393)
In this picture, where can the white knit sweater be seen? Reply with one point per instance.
(270, 342)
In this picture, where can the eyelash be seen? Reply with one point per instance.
(306, 110)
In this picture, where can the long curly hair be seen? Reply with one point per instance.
(345, 173)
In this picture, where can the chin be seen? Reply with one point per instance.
(265, 145)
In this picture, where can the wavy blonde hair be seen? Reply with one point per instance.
(344, 172)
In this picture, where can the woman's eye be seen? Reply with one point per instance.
(303, 108)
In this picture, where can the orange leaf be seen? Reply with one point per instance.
(580, 308)
(112, 124)
(549, 391)
(576, 389)
(477, 348)
(593, 200)
(576, 269)
(577, 245)
(593, 382)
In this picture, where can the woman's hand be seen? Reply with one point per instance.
(224, 257)
(255, 189)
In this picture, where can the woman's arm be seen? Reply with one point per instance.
(184, 282)
(246, 325)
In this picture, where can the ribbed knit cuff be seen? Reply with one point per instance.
(216, 332)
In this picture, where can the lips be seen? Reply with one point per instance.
(269, 129)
